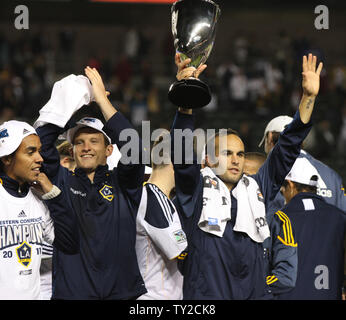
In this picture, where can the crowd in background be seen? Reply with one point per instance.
(249, 87)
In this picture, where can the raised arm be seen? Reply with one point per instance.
(100, 93)
(310, 85)
(282, 157)
(48, 134)
(60, 224)
(130, 173)
(187, 173)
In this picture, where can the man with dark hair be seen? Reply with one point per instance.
(223, 210)
(104, 203)
(253, 161)
(319, 230)
(25, 222)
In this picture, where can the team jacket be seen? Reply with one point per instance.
(319, 231)
(234, 266)
(25, 224)
(106, 266)
(283, 256)
(334, 193)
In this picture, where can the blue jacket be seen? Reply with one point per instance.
(319, 232)
(106, 266)
(283, 256)
(234, 266)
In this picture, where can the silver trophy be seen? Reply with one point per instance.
(194, 30)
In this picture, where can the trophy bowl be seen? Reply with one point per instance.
(194, 30)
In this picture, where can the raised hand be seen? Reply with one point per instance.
(42, 184)
(99, 90)
(100, 93)
(185, 72)
(311, 75)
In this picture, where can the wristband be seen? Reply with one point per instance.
(52, 193)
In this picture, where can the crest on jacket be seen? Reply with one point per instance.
(107, 192)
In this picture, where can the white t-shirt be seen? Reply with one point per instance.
(46, 271)
(24, 224)
(160, 239)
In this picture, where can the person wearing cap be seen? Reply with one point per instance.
(331, 186)
(25, 222)
(104, 202)
(319, 229)
(223, 210)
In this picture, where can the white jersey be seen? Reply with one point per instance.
(160, 239)
(24, 224)
(46, 271)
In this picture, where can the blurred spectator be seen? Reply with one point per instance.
(139, 109)
(131, 43)
(238, 86)
(123, 70)
(7, 114)
(342, 136)
(326, 141)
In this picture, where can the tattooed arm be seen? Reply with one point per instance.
(311, 86)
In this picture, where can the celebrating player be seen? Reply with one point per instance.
(104, 202)
(24, 220)
(225, 210)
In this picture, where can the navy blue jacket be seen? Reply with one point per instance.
(283, 255)
(234, 266)
(319, 232)
(106, 266)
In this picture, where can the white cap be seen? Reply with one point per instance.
(85, 122)
(277, 124)
(12, 134)
(304, 172)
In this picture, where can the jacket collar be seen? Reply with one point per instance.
(305, 195)
(100, 173)
(12, 186)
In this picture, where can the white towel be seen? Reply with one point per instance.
(216, 211)
(68, 96)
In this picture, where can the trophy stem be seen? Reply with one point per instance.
(189, 93)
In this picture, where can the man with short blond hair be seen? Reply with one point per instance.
(104, 202)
